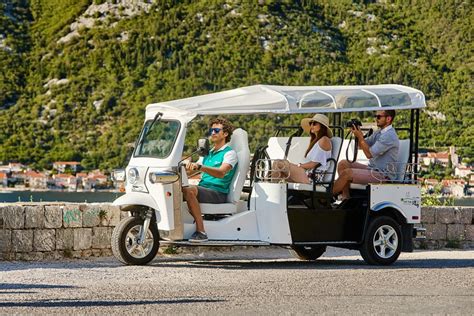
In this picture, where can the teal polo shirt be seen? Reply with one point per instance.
(214, 160)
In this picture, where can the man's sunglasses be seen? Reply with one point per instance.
(215, 130)
(378, 116)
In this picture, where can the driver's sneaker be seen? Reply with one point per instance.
(198, 237)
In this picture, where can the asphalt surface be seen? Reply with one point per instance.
(256, 281)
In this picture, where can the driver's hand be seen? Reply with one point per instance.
(356, 132)
(191, 165)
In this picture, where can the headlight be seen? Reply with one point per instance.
(133, 175)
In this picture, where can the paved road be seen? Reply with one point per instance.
(428, 282)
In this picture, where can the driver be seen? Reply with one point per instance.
(382, 150)
(218, 169)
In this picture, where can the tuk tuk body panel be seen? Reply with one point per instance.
(406, 198)
(327, 224)
(241, 226)
(271, 209)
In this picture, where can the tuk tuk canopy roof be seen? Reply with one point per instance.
(295, 99)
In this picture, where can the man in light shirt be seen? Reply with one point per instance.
(382, 150)
(218, 169)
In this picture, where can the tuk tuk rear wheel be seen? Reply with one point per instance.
(308, 252)
(126, 247)
(383, 241)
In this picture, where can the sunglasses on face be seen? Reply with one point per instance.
(215, 130)
(378, 116)
(311, 123)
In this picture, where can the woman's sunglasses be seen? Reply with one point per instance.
(215, 130)
(311, 123)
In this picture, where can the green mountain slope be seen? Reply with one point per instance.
(77, 74)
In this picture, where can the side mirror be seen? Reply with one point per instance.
(203, 147)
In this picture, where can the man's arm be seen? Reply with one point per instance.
(217, 172)
(362, 143)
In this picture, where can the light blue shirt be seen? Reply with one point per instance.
(384, 145)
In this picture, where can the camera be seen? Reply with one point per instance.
(353, 121)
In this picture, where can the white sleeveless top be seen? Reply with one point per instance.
(316, 154)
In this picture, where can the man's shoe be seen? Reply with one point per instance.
(198, 237)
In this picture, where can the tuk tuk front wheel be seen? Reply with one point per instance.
(383, 241)
(308, 252)
(126, 245)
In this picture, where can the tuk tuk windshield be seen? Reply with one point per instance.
(158, 141)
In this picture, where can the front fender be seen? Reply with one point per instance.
(136, 198)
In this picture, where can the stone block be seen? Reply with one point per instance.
(469, 232)
(82, 238)
(53, 217)
(52, 255)
(124, 215)
(456, 232)
(90, 216)
(44, 240)
(96, 252)
(445, 215)
(29, 256)
(435, 231)
(428, 215)
(106, 252)
(464, 215)
(22, 240)
(112, 215)
(5, 240)
(100, 237)
(64, 239)
(72, 216)
(13, 216)
(34, 216)
(86, 253)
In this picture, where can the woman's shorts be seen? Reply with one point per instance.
(206, 195)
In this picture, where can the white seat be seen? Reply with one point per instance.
(336, 148)
(238, 142)
(402, 160)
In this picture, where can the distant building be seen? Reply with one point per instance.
(61, 166)
(463, 171)
(435, 158)
(16, 167)
(65, 181)
(3, 179)
(36, 180)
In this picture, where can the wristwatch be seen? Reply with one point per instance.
(199, 167)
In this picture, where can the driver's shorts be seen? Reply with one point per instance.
(206, 195)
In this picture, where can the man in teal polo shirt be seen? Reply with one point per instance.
(218, 169)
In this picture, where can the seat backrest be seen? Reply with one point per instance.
(240, 143)
(277, 146)
(336, 143)
(402, 160)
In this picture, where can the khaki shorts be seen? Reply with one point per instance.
(361, 174)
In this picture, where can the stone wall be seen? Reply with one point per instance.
(43, 231)
(450, 227)
(36, 231)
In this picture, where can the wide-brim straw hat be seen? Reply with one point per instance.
(320, 118)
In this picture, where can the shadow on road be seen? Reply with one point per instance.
(102, 303)
(323, 264)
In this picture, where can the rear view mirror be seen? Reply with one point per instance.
(203, 147)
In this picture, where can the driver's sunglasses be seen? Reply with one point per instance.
(378, 116)
(214, 130)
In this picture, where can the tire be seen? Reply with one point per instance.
(124, 246)
(308, 252)
(383, 241)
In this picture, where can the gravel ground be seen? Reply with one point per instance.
(256, 281)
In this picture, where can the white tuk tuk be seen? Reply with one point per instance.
(378, 220)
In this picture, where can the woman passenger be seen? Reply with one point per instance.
(317, 154)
